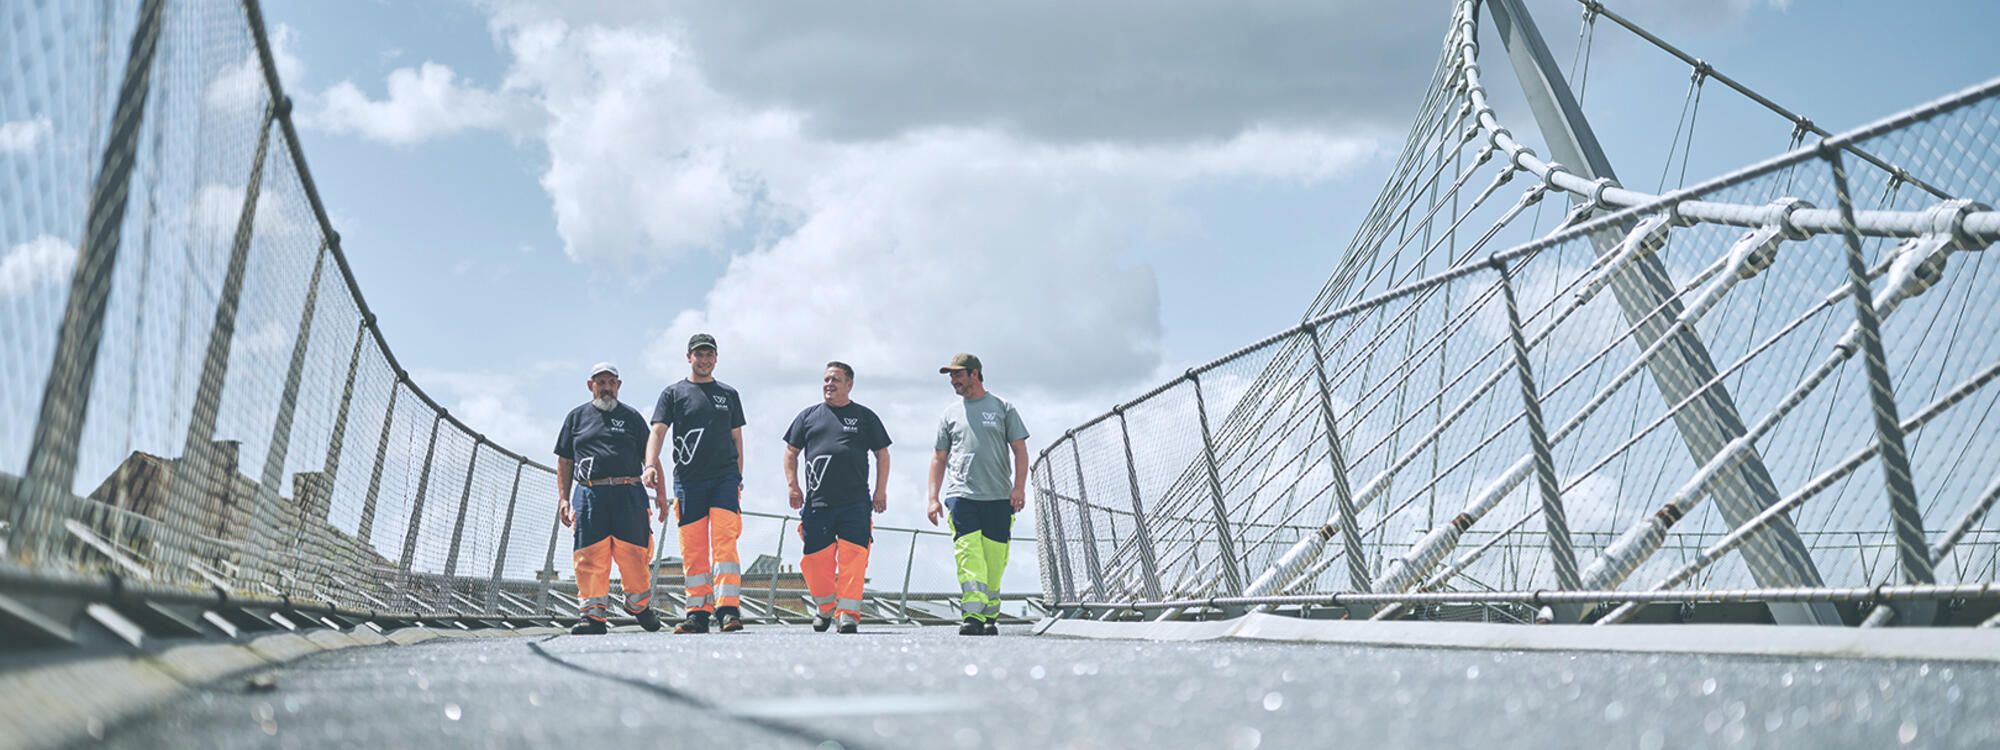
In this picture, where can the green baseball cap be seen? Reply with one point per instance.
(962, 361)
(700, 340)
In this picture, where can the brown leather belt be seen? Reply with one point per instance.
(610, 480)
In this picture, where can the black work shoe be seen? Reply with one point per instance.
(695, 623)
(848, 625)
(729, 622)
(648, 619)
(588, 627)
(991, 628)
(822, 621)
(972, 626)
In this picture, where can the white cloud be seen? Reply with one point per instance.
(29, 266)
(890, 254)
(240, 87)
(496, 405)
(21, 135)
(264, 338)
(425, 102)
(217, 208)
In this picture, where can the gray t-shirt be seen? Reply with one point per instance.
(977, 433)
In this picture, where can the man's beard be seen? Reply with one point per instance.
(604, 403)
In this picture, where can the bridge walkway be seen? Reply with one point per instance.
(928, 687)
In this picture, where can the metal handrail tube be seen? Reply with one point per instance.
(1607, 194)
(1916, 592)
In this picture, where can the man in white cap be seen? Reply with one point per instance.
(598, 450)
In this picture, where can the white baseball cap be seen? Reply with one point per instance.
(604, 367)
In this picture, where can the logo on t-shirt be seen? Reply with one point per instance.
(816, 470)
(721, 402)
(850, 424)
(685, 445)
(618, 424)
(583, 467)
(991, 418)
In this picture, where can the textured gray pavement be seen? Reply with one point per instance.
(903, 687)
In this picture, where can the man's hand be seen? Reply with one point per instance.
(881, 499)
(562, 512)
(1017, 498)
(797, 498)
(666, 505)
(651, 476)
(934, 510)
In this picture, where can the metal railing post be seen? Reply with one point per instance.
(1083, 519)
(1232, 571)
(195, 478)
(548, 572)
(1051, 505)
(909, 565)
(337, 439)
(52, 453)
(1912, 549)
(405, 561)
(506, 535)
(261, 523)
(1142, 533)
(1350, 530)
(1561, 552)
(464, 499)
(771, 585)
(366, 529)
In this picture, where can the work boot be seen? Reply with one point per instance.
(729, 622)
(822, 621)
(696, 622)
(972, 626)
(848, 625)
(648, 619)
(991, 628)
(588, 627)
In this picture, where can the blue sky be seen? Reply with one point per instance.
(1092, 199)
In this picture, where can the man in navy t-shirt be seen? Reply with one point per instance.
(836, 437)
(598, 448)
(707, 421)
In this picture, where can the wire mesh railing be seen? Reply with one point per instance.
(1777, 380)
(195, 399)
(197, 395)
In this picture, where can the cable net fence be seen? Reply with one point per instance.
(1519, 379)
(192, 392)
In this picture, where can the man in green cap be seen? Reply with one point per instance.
(981, 487)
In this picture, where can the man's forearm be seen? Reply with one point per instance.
(937, 475)
(655, 438)
(563, 469)
(791, 467)
(881, 468)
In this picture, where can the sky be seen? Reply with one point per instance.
(1092, 198)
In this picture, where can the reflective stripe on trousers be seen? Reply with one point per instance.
(981, 560)
(636, 603)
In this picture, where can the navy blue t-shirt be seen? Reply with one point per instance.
(836, 442)
(702, 415)
(603, 444)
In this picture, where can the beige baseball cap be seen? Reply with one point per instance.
(962, 361)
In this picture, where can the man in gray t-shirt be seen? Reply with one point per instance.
(982, 488)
